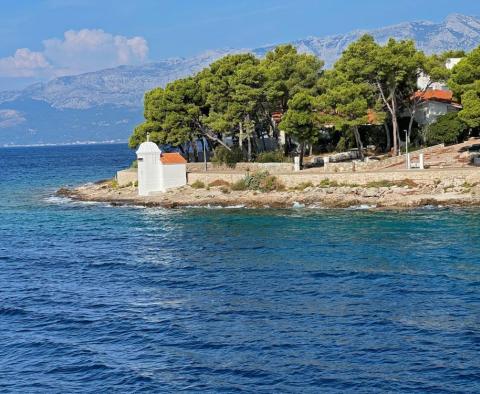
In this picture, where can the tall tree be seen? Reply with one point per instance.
(347, 105)
(392, 69)
(175, 116)
(298, 121)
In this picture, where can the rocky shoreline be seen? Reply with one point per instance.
(380, 196)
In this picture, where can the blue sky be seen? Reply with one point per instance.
(40, 39)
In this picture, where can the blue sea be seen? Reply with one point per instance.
(96, 298)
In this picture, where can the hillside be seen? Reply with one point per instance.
(105, 105)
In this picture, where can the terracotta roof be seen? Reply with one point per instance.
(172, 158)
(435, 95)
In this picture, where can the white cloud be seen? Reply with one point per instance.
(24, 63)
(77, 52)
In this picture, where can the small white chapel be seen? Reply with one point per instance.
(159, 171)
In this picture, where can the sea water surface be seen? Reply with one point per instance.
(97, 298)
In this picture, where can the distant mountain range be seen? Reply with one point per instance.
(105, 105)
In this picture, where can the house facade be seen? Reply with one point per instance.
(435, 99)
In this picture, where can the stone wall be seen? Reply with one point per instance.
(453, 176)
(127, 177)
(272, 168)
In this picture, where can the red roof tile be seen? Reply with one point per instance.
(435, 95)
(172, 158)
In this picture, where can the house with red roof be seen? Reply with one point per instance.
(434, 98)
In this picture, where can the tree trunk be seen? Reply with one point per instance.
(389, 140)
(249, 147)
(302, 148)
(195, 150)
(395, 125)
(358, 139)
(311, 149)
(182, 149)
(204, 150)
(207, 133)
(240, 135)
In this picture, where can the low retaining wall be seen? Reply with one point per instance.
(272, 168)
(127, 177)
(446, 176)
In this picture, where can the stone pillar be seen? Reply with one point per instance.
(296, 163)
(421, 163)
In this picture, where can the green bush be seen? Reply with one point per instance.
(328, 183)
(263, 182)
(134, 164)
(239, 185)
(114, 184)
(303, 185)
(227, 157)
(276, 156)
(198, 185)
(448, 129)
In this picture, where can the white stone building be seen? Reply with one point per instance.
(158, 171)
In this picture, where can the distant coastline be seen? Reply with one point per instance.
(77, 143)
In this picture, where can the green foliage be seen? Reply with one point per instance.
(276, 156)
(328, 183)
(470, 114)
(263, 182)
(134, 164)
(303, 185)
(288, 73)
(227, 157)
(240, 185)
(465, 83)
(385, 183)
(298, 121)
(236, 95)
(447, 129)
(198, 185)
(466, 74)
(114, 184)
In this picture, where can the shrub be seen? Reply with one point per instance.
(276, 156)
(114, 184)
(228, 157)
(261, 181)
(218, 182)
(448, 129)
(134, 164)
(382, 183)
(271, 183)
(198, 185)
(303, 185)
(385, 183)
(254, 180)
(328, 183)
(239, 185)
